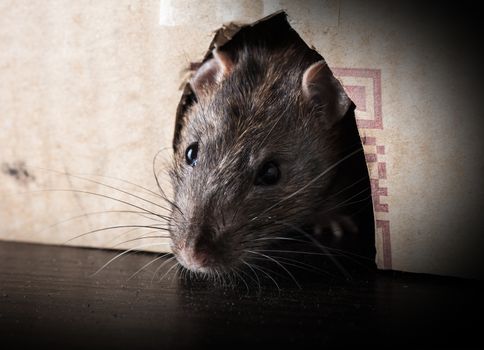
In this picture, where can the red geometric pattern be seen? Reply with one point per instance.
(373, 75)
(364, 88)
(358, 96)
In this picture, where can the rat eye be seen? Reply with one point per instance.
(191, 154)
(269, 174)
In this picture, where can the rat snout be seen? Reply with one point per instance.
(192, 260)
(204, 253)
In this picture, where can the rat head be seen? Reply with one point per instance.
(250, 153)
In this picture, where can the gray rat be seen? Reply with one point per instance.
(258, 152)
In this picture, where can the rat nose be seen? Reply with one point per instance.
(201, 253)
(209, 250)
(194, 260)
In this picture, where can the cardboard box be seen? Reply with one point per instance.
(93, 89)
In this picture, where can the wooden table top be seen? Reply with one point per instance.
(48, 296)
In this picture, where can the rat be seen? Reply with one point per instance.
(259, 152)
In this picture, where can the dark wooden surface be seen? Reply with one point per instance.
(47, 297)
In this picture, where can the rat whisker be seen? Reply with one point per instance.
(93, 213)
(217, 277)
(327, 170)
(242, 272)
(304, 266)
(82, 176)
(261, 269)
(114, 188)
(257, 280)
(347, 187)
(184, 275)
(168, 271)
(163, 194)
(234, 278)
(152, 218)
(160, 267)
(147, 190)
(294, 252)
(140, 238)
(350, 203)
(259, 227)
(281, 238)
(124, 253)
(99, 195)
(113, 228)
(148, 264)
(125, 233)
(296, 265)
(366, 189)
(269, 219)
(272, 224)
(190, 274)
(333, 259)
(324, 249)
(176, 275)
(278, 263)
(226, 279)
(318, 244)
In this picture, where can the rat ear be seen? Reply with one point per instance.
(323, 90)
(211, 73)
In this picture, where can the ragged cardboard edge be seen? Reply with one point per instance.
(225, 34)
(222, 36)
